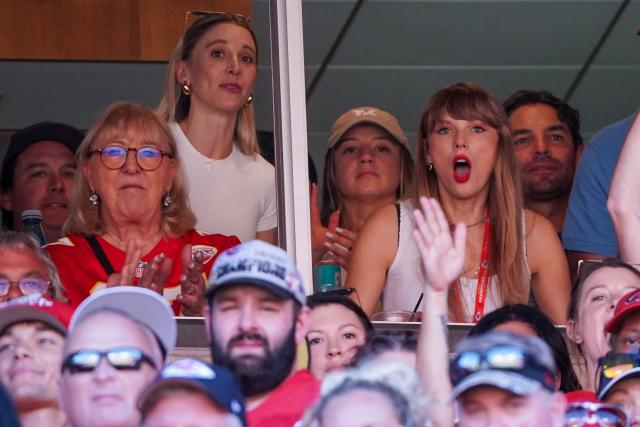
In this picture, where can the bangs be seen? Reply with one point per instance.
(463, 102)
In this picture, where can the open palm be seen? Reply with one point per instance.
(442, 255)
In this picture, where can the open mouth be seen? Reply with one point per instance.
(461, 169)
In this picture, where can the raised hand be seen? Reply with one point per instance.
(192, 284)
(442, 255)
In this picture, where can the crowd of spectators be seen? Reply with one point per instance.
(155, 215)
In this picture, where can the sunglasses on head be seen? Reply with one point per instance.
(503, 358)
(614, 364)
(581, 414)
(122, 359)
(343, 292)
(236, 17)
(27, 285)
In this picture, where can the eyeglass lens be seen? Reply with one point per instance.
(115, 157)
(28, 286)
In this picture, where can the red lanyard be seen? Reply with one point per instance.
(483, 272)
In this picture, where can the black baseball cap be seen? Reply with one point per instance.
(43, 131)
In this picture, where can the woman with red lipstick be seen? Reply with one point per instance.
(129, 221)
(465, 161)
(367, 166)
(207, 102)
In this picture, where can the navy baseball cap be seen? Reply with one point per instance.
(519, 364)
(214, 381)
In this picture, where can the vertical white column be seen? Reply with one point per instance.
(290, 130)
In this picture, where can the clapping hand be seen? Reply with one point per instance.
(442, 255)
(192, 284)
(154, 276)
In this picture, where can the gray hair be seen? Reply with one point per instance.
(395, 381)
(23, 241)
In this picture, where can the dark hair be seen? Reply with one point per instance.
(544, 328)
(382, 341)
(326, 298)
(586, 270)
(567, 114)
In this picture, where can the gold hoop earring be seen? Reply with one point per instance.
(249, 100)
(186, 88)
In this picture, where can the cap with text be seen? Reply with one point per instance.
(35, 307)
(260, 264)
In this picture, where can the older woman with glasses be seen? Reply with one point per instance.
(25, 268)
(130, 222)
(208, 104)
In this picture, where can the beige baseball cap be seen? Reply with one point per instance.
(366, 115)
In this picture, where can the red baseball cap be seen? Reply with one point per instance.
(627, 304)
(34, 307)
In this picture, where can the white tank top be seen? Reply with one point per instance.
(405, 280)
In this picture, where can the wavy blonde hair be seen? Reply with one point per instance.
(124, 117)
(174, 105)
(468, 101)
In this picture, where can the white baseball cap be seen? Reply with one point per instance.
(142, 305)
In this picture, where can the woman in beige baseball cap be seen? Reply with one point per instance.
(367, 166)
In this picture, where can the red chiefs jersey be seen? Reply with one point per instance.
(82, 274)
(287, 403)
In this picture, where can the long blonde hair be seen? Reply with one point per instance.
(174, 105)
(468, 101)
(84, 217)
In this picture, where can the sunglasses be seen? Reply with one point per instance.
(504, 358)
(581, 414)
(122, 359)
(344, 292)
(114, 157)
(614, 364)
(27, 285)
(236, 17)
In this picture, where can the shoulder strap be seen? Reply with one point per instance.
(102, 257)
(398, 213)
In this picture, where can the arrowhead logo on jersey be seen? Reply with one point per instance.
(207, 252)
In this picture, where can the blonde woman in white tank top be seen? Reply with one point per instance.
(465, 160)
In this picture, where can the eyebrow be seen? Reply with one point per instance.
(223, 41)
(555, 128)
(341, 327)
(521, 131)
